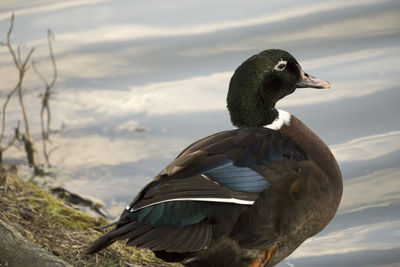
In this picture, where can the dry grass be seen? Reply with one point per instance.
(63, 231)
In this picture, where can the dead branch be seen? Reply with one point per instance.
(46, 97)
(22, 68)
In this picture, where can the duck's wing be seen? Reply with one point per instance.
(230, 169)
(232, 166)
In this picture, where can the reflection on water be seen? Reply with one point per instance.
(138, 82)
(367, 147)
(377, 189)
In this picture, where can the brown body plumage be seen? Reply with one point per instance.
(245, 197)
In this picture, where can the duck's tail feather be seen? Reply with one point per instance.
(110, 237)
(191, 238)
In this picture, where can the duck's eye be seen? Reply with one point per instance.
(281, 65)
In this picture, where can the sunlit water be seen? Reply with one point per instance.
(140, 80)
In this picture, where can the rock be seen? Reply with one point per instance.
(17, 251)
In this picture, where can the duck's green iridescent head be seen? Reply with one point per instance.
(260, 81)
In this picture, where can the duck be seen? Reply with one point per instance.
(242, 197)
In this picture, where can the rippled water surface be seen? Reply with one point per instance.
(140, 80)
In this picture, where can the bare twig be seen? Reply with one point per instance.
(8, 43)
(3, 115)
(50, 36)
(19, 53)
(22, 70)
(53, 149)
(15, 138)
(46, 97)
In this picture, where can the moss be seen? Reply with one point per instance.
(71, 219)
(48, 222)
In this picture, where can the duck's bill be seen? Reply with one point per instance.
(308, 81)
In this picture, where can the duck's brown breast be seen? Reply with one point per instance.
(320, 154)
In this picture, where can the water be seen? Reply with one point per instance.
(140, 80)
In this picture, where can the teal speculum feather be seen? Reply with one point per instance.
(177, 213)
